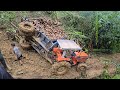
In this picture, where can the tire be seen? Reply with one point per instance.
(11, 35)
(81, 68)
(27, 27)
(65, 65)
(20, 33)
(24, 44)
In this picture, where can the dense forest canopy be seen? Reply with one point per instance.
(97, 30)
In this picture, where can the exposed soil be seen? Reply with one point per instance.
(36, 67)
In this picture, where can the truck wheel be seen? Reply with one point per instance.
(81, 68)
(60, 68)
(10, 35)
(24, 44)
(27, 27)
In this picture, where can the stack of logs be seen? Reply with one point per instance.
(51, 28)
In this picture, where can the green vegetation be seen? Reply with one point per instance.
(117, 75)
(97, 30)
(106, 75)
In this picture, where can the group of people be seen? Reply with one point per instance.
(4, 68)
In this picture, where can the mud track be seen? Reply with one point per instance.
(35, 67)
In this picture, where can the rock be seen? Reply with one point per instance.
(19, 72)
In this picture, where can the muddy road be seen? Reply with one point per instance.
(36, 67)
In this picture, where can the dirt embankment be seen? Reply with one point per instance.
(35, 67)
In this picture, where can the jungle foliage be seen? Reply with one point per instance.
(97, 30)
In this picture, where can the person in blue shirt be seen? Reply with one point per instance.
(18, 53)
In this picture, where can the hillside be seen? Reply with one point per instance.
(95, 30)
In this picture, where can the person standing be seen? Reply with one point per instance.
(18, 53)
